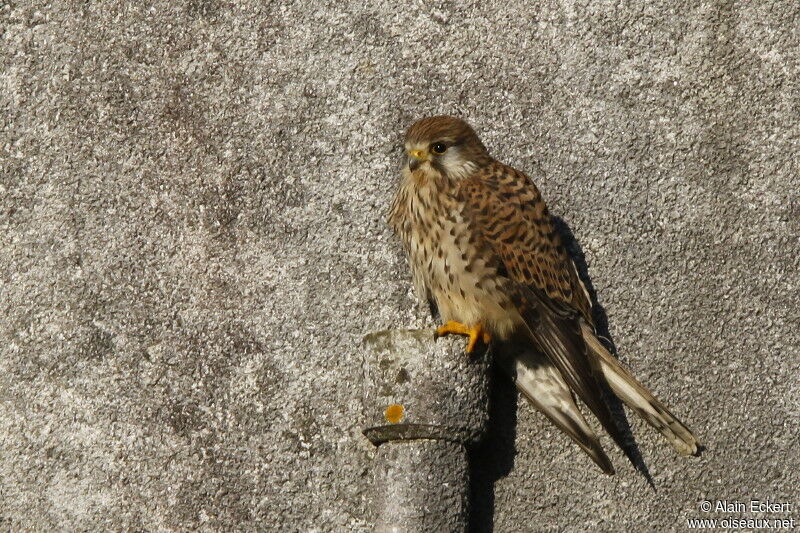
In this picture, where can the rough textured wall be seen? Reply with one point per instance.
(192, 243)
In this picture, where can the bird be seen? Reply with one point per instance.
(487, 257)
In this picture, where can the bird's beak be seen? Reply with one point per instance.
(415, 159)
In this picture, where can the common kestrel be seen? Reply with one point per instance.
(484, 252)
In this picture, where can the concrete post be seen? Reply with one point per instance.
(425, 402)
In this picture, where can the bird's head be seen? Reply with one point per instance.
(444, 146)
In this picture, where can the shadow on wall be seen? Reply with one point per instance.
(493, 458)
(600, 318)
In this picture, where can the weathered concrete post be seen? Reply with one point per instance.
(425, 402)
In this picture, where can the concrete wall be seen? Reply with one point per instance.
(192, 244)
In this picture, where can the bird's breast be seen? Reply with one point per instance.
(446, 258)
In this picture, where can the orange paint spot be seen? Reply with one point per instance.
(394, 413)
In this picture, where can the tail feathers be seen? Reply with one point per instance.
(556, 331)
(542, 384)
(638, 398)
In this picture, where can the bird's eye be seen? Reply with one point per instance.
(438, 148)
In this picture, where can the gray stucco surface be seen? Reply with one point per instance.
(192, 245)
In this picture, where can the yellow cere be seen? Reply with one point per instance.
(394, 413)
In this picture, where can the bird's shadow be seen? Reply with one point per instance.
(493, 458)
(600, 318)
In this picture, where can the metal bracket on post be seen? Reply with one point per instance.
(425, 402)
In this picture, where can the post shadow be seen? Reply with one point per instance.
(493, 458)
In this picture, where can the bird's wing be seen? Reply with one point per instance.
(506, 210)
(512, 215)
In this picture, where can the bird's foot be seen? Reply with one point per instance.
(475, 333)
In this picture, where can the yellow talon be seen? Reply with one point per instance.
(474, 333)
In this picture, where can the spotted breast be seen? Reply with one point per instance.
(445, 253)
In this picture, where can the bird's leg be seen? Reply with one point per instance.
(474, 333)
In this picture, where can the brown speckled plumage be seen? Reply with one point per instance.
(484, 251)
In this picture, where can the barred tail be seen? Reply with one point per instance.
(638, 398)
